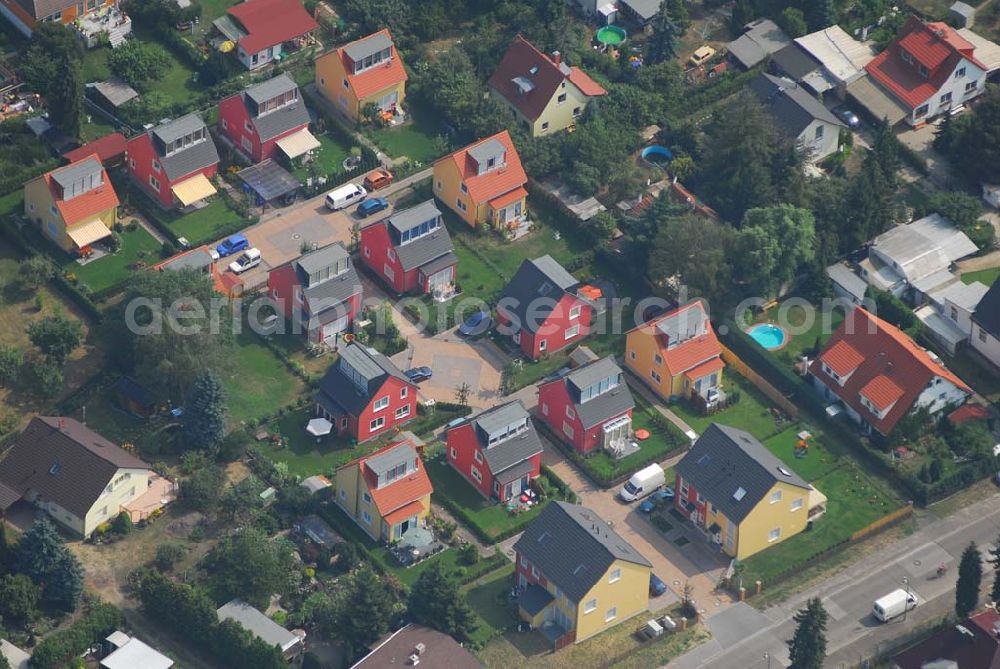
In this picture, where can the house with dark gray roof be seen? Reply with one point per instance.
(412, 252)
(589, 407)
(174, 162)
(71, 472)
(542, 308)
(498, 451)
(576, 576)
(320, 293)
(797, 114)
(364, 395)
(740, 495)
(986, 325)
(760, 40)
(267, 120)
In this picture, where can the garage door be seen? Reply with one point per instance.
(330, 329)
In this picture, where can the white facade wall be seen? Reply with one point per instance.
(986, 344)
(955, 86)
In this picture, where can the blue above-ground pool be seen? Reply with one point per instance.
(768, 335)
(657, 155)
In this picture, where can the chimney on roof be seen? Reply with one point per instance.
(62, 424)
(556, 57)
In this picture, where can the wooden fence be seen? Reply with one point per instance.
(762, 384)
(884, 522)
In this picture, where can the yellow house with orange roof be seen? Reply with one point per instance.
(484, 183)
(75, 205)
(365, 71)
(676, 354)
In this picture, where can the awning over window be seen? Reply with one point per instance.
(87, 233)
(298, 143)
(194, 189)
(506, 199)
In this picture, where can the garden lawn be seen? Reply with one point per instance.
(817, 462)
(110, 272)
(415, 140)
(488, 599)
(752, 413)
(96, 128)
(203, 225)
(257, 382)
(794, 318)
(490, 517)
(985, 276)
(328, 159)
(854, 501)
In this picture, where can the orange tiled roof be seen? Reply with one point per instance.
(377, 78)
(888, 354)
(493, 184)
(509, 198)
(89, 204)
(842, 358)
(403, 512)
(704, 369)
(587, 86)
(691, 353)
(399, 493)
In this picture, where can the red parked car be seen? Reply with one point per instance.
(377, 179)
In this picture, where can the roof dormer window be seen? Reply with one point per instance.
(905, 55)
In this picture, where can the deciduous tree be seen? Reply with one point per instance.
(11, 359)
(435, 601)
(56, 337)
(773, 244)
(53, 66)
(248, 564)
(34, 272)
(19, 598)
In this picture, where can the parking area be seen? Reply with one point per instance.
(693, 562)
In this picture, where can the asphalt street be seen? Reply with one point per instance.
(744, 638)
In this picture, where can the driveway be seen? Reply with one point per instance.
(694, 563)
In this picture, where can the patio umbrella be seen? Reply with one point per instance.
(319, 427)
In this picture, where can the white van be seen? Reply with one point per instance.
(246, 260)
(643, 482)
(345, 196)
(894, 604)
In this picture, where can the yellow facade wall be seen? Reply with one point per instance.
(126, 485)
(448, 189)
(628, 595)
(350, 495)
(39, 207)
(765, 517)
(641, 348)
(330, 77)
(555, 116)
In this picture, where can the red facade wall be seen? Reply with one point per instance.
(281, 284)
(375, 247)
(691, 497)
(234, 112)
(553, 330)
(462, 447)
(359, 427)
(141, 155)
(553, 399)
(524, 568)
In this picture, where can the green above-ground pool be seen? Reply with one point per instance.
(611, 35)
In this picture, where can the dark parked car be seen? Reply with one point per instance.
(656, 586)
(232, 245)
(372, 205)
(418, 374)
(475, 325)
(849, 118)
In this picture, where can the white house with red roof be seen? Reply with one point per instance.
(546, 94)
(880, 375)
(260, 29)
(930, 69)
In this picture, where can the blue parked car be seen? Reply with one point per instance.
(232, 245)
(475, 325)
(372, 206)
(418, 374)
(656, 586)
(666, 495)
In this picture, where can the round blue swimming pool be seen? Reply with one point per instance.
(657, 155)
(768, 335)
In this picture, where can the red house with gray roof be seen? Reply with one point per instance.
(880, 375)
(174, 162)
(498, 451)
(411, 251)
(930, 69)
(267, 118)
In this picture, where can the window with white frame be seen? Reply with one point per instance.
(656, 376)
(478, 455)
(403, 392)
(545, 409)
(454, 453)
(774, 534)
(971, 86)
(611, 614)
(569, 412)
(381, 403)
(615, 575)
(403, 411)
(475, 474)
(574, 312)
(775, 496)
(388, 272)
(590, 606)
(367, 517)
(376, 424)
(572, 332)
(543, 344)
(367, 498)
(796, 504)
(568, 430)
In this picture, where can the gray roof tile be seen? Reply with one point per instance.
(367, 46)
(516, 448)
(610, 404)
(724, 460)
(573, 548)
(359, 373)
(535, 288)
(791, 106)
(271, 88)
(987, 314)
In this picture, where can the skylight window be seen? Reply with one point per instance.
(54, 469)
(739, 494)
(533, 70)
(543, 537)
(784, 472)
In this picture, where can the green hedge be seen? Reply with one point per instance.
(60, 647)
